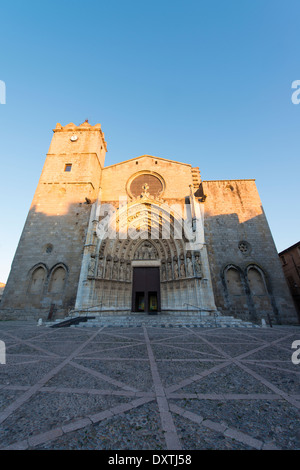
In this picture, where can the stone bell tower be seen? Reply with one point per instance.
(46, 267)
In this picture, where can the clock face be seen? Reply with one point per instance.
(74, 138)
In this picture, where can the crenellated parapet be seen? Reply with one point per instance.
(85, 126)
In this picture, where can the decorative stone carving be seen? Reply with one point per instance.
(176, 272)
(244, 247)
(198, 268)
(182, 269)
(133, 217)
(163, 271)
(91, 269)
(145, 192)
(108, 268)
(146, 251)
(115, 269)
(100, 270)
(170, 276)
(128, 272)
(189, 265)
(122, 271)
(49, 248)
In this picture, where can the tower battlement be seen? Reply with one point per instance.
(85, 126)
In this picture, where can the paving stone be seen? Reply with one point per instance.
(156, 388)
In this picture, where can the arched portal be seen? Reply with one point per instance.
(141, 261)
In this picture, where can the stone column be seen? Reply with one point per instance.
(204, 284)
(85, 287)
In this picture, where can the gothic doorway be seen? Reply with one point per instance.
(146, 290)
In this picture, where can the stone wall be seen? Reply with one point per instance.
(57, 265)
(177, 177)
(46, 267)
(246, 273)
(290, 261)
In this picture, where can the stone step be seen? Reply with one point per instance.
(176, 321)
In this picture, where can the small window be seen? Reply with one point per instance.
(283, 260)
(49, 248)
(68, 167)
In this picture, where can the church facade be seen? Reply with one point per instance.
(144, 236)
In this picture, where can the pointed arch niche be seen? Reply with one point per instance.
(57, 280)
(37, 279)
(235, 287)
(259, 291)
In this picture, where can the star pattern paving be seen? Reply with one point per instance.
(149, 388)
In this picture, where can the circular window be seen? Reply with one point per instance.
(244, 247)
(49, 248)
(146, 182)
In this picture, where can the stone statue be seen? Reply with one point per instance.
(170, 271)
(128, 272)
(100, 268)
(122, 273)
(146, 251)
(189, 267)
(115, 270)
(198, 268)
(108, 269)
(182, 269)
(163, 272)
(176, 272)
(145, 192)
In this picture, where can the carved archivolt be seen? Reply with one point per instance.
(144, 231)
(146, 251)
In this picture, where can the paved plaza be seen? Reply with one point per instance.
(149, 388)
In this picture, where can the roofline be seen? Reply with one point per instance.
(151, 156)
(214, 181)
(289, 248)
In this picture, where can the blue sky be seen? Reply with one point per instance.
(201, 82)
